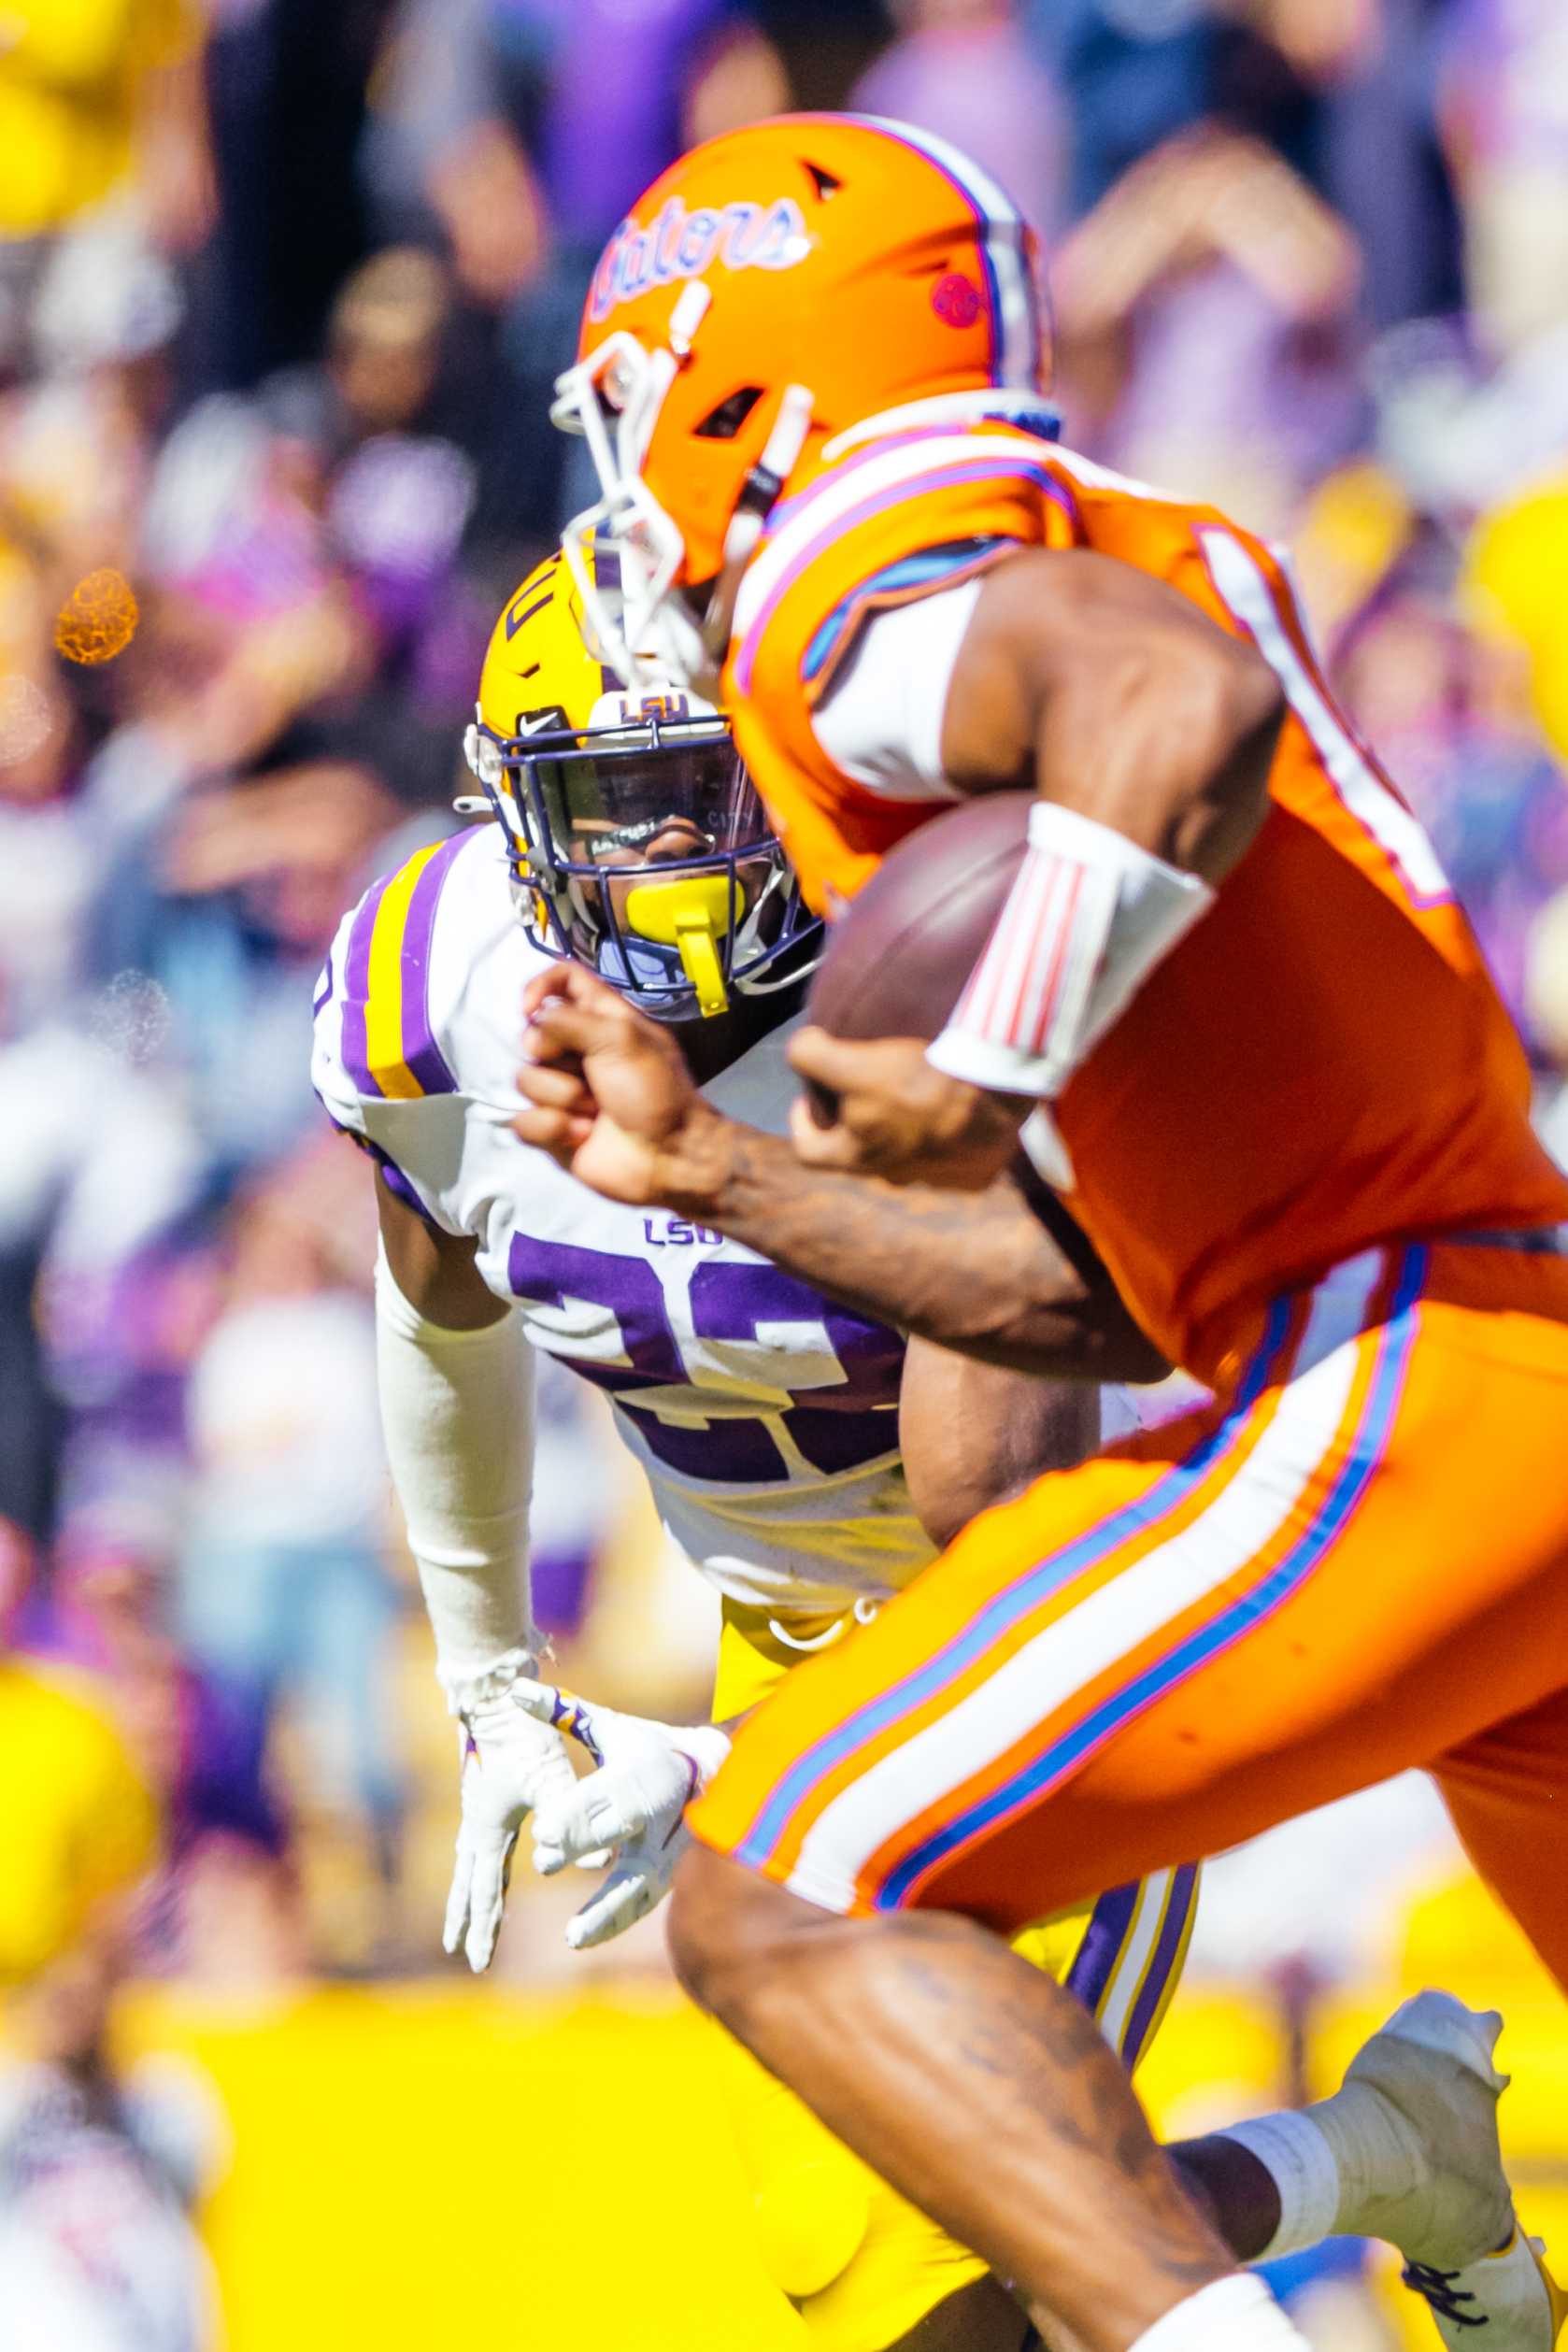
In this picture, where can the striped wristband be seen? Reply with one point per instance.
(1086, 920)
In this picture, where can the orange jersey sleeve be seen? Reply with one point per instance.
(1322, 1062)
(918, 511)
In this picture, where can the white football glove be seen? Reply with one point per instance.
(511, 1763)
(648, 1774)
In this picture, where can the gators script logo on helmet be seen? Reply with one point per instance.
(779, 293)
(638, 843)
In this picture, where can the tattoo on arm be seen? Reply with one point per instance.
(973, 1271)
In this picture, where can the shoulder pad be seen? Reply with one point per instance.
(389, 1043)
(893, 523)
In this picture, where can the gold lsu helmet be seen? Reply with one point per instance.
(638, 844)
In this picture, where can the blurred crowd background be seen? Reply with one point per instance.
(283, 287)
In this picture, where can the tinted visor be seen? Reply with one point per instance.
(685, 799)
(645, 854)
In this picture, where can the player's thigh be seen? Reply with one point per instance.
(810, 1715)
(1388, 1617)
(866, 2270)
(1507, 1793)
(1165, 1652)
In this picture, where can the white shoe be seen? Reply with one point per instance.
(1454, 2221)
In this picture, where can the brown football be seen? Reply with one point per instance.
(897, 959)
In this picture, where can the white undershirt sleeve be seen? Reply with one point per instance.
(457, 1410)
(880, 720)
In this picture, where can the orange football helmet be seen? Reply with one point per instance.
(780, 293)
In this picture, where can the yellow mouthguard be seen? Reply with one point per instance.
(691, 914)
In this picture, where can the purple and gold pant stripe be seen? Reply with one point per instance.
(388, 1046)
(1134, 1949)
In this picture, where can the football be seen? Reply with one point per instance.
(896, 961)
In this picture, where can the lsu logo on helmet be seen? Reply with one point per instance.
(637, 841)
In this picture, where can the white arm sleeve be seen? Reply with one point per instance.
(880, 720)
(457, 1409)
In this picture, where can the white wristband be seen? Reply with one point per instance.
(1087, 920)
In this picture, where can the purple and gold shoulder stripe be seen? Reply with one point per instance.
(388, 1044)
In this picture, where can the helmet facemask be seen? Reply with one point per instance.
(641, 850)
(613, 398)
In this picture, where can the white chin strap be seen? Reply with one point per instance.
(613, 399)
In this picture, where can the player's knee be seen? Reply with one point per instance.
(730, 1930)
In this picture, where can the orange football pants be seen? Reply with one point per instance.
(1357, 1562)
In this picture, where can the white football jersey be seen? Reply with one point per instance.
(765, 1415)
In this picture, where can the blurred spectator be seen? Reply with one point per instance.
(99, 1163)
(525, 129)
(394, 433)
(527, 124)
(226, 911)
(1342, 89)
(1450, 712)
(285, 84)
(1503, 108)
(383, 363)
(963, 69)
(1370, 67)
(100, 105)
(98, 2167)
(284, 1592)
(1204, 314)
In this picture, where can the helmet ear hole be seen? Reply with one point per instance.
(723, 422)
(825, 182)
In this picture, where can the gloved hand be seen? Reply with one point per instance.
(512, 1762)
(648, 1774)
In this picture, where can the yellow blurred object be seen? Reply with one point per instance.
(381, 2135)
(428, 2118)
(71, 72)
(1513, 564)
(78, 1824)
(377, 2130)
(1355, 526)
(1458, 1935)
(98, 618)
(1512, 588)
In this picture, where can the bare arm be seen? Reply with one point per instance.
(1148, 735)
(609, 1096)
(435, 1271)
(1115, 696)
(971, 1435)
(976, 1272)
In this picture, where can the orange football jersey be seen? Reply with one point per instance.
(1322, 1062)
